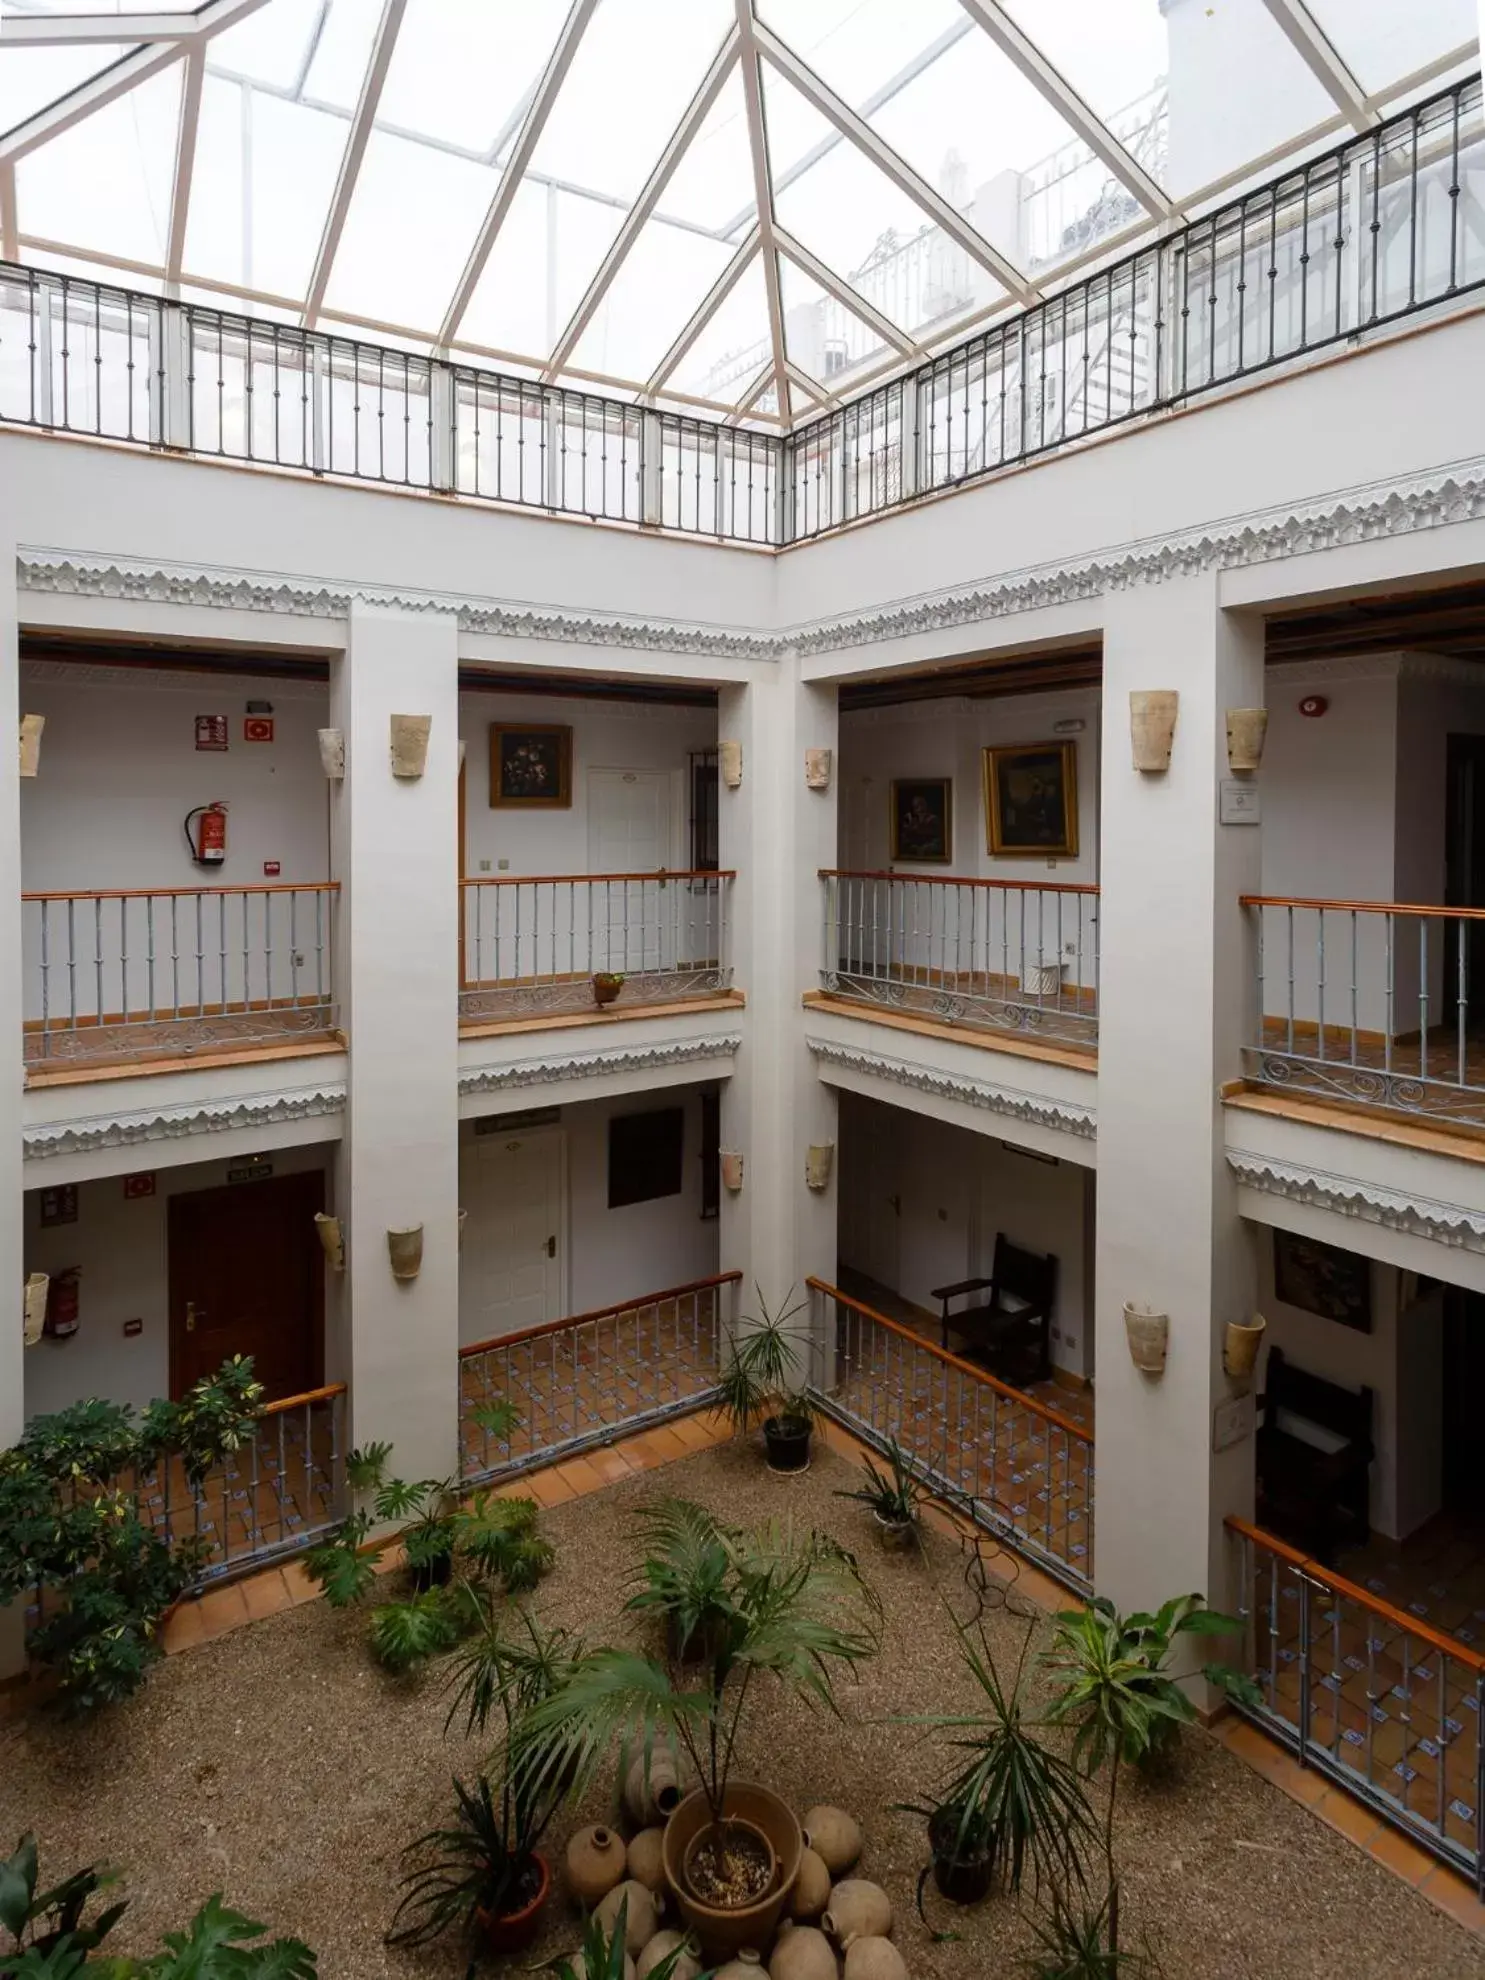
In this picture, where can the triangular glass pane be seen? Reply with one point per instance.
(273, 45)
(727, 356)
(463, 71)
(342, 56)
(824, 338)
(106, 183)
(712, 187)
(395, 265)
(539, 269)
(1114, 55)
(851, 216)
(657, 290)
(32, 79)
(264, 178)
(1383, 41)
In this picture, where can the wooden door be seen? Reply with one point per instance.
(247, 1277)
(629, 832)
(511, 1267)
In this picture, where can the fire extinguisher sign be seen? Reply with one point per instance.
(257, 728)
(211, 732)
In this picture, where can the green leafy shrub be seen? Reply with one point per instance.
(71, 1526)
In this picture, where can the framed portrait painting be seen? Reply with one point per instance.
(1031, 801)
(1323, 1279)
(530, 766)
(923, 819)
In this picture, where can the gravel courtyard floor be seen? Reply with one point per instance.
(278, 1765)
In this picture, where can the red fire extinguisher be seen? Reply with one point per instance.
(63, 1305)
(206, 833)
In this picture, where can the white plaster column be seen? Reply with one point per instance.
(12, 1353)
(777, 834)
(1176, 993)
(394, 848)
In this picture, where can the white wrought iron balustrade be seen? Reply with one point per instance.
(137, 973)
(535, 943)
(1004, 953)
(1371, 1001)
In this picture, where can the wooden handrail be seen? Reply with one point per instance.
(960, 880)
(1052, 1416)
(598, 1313)
(1396, 1618)
(1361, 907)
(593, 879)
(310, 1396)
(188, 893)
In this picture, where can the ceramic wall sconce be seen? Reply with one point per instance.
(1246, 729)
(405, 1248)
(410, 744)
(332, 1240)
(818, 1163)
(332, 752)
(729, 760)
(817, 767)
(732, 1168)
(31, 728)
(1240, 1346)
(1148, 1334)
(33, 1307)
(1152, 727)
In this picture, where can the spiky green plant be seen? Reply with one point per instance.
(483, 1862)
(763, 1373)
(1071, 1944)
(791, 1607)
(893, 1494)
(601, 1956)
(1013, 1797)
(683, 1576)
(512, 1663)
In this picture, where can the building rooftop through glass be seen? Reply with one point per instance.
(748, 206)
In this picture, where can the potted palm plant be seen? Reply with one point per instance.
(789, 1607)
(683, 1576)
(763, 1381)
(1013, 1803)
(484, 1875)
(892, 1495)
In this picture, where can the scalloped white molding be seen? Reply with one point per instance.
(1414, 1216)
(127, 1130)
(1063, 1116)
(1453, 492)
(587, 1065)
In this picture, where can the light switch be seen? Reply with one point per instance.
(484, 866)
(504, 865)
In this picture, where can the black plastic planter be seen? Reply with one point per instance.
(436, 1572)
(787, 1441)
(962, 1872)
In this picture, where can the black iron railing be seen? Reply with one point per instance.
(1371, 232)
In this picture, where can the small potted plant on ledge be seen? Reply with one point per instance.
(892, 1495)
(763, 1382)
(607, 983)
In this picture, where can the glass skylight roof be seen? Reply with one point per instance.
(570, 187)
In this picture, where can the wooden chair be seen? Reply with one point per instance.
(1011, 1326)
(1313, 1490)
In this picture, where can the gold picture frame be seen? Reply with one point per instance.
(530, 766)
(1031, 800)
(922, 820)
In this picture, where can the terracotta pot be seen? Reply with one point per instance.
(874, 1959)
(811, 1887)
(641, 1918)
(651, 1790)
(1152, 726)
(858, 1909)
(596, 1861)
(747, 1966)
(1240, 1346)
(787, 1441)
(688, 1874)
(645, 1859)
(606, 989)
(803, 1953)
(513, 1931)
(1246, 729)
(834, 1836)
(687, 1967)
(1148, 1334)
(724, 1933)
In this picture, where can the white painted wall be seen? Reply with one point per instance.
(606, 735)
(623, 1253)
(120, 1245)
(956, 1191)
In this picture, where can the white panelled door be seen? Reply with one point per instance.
(629, 832)
(511, 1267)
